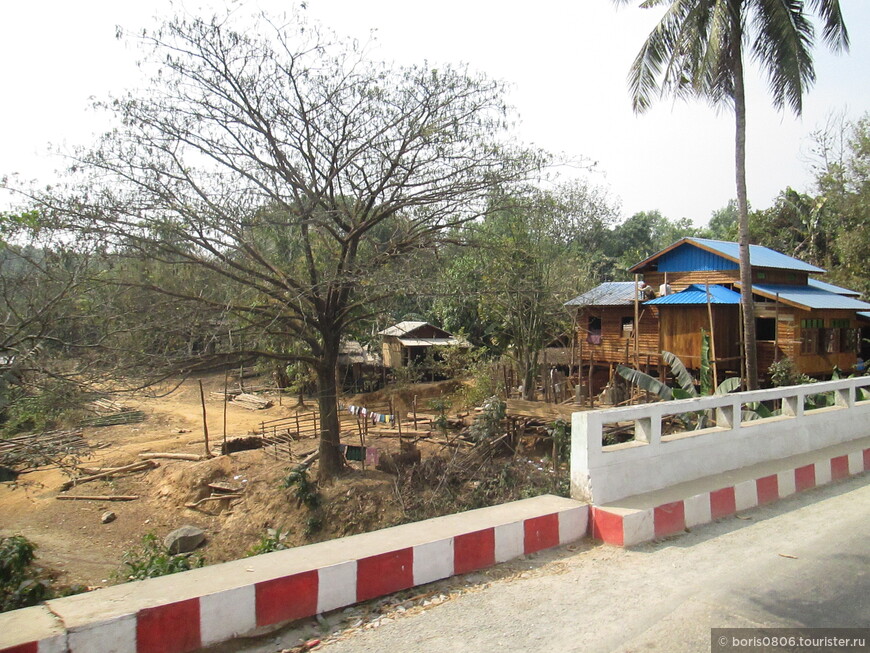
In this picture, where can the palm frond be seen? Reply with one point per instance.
(835, 33)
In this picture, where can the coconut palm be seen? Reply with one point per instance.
(698, 49)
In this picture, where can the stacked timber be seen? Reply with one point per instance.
(34, 449)
(114, 419)
(251, 402)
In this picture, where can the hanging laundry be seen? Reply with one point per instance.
(355, 452)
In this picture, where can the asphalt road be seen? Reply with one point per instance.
(803, 562)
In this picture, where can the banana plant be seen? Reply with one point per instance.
(687, 387)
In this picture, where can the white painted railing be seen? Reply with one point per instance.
(602, 474)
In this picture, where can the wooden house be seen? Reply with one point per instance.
(695, 284)
(409, 342)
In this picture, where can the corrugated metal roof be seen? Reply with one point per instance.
(433, 342)
(611, 293)
(839, 290)
(696, 294)
(810, 297)
(401, 328)
(759, 256)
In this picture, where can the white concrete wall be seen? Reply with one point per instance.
(602, 474)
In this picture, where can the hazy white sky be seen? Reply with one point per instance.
(565, 62)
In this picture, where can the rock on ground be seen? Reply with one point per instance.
(184, 539)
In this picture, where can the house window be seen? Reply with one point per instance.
(765, 328)
(627, 326)
(594, 337)
(832, 340)
(812, 336)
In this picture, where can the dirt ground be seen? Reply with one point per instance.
(80, 549)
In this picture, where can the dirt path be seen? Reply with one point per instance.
(73, 542)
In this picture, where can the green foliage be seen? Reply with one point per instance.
(487, 423)
(784, 373)
(307, 493)
(20, 585)
(40, 408)
(484, 383)
(441, 406)
(272, 540)
(152, 559)
(560, 431)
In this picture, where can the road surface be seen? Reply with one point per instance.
(802, 562)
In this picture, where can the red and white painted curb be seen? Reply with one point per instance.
(628, 527)
(176, 626)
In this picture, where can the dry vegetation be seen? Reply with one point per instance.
(80, 549)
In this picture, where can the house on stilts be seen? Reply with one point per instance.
(694, 285)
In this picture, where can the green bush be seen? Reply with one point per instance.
(38, 410)
(20, 585)
(153, 559)
(271, 540)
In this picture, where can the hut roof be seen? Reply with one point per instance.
(697, 294)
(693, 254)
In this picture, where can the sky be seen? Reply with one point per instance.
(565, 64)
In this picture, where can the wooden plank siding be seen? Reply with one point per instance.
(614, 340)
(682, 280)
(681, 334)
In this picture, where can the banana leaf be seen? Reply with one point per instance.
(681, 374)
(705, 374)
(645, 382)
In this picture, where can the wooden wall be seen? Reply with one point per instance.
(613, 340)
(682, 280)
(681, 333)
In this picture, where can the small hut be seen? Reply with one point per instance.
(409, 342)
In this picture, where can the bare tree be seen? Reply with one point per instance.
(294, 170)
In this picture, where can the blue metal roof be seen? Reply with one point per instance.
(611, 293)
(696, 294)
(679, 257)
(810, 297)
(839, 290)
(864, 314)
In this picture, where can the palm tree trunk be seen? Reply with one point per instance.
(749, 339)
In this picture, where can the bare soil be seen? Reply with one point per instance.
(80, 549)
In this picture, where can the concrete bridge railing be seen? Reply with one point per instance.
(656, 459)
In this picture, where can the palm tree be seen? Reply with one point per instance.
(698, 50)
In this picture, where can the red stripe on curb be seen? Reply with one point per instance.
(30, 647)
(170, 628)
(540, 533)
(607, 527)
(867, 460)
(839, 468)
(722, 503)
(767, 489)
(805, 478)
(473, 551)
(287, 598)
(384, 574)
(669, 519)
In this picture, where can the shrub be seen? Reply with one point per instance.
(153, 559)
(20, 585)
(271, 540)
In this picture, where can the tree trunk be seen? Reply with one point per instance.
(327, 400)
(749, 339)
(529, 364)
